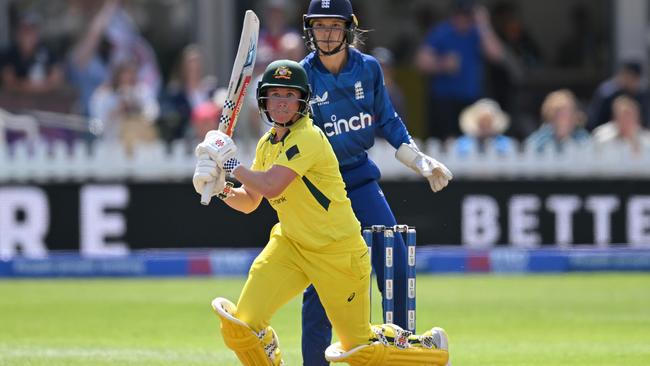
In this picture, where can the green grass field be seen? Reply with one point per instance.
(599, 319)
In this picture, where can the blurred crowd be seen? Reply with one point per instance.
(112, 77)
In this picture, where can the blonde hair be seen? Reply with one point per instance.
(625, 101)
(557, 100)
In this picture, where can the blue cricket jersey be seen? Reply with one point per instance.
(350, 106)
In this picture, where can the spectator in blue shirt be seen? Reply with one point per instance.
(562, 123)
(88, 64)
(453, 54)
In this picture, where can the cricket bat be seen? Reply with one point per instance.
(242, 73)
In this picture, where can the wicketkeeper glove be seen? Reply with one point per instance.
(436, 172)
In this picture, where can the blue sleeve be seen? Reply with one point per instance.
(436, 39)
(389, 121)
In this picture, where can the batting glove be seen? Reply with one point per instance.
(207, 171)
(218, 146)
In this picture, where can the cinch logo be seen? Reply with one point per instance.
(337, 127)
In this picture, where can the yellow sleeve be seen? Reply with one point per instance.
(257, 165)
(300, 154)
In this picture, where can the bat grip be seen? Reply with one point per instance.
(206, 195)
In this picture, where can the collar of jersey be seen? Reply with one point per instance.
(272, 136)
(302, 121)
(299, 122)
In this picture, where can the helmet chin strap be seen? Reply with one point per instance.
(284, 125)
(287, 124)
(343, 45)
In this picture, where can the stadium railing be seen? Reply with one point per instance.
(28, 160)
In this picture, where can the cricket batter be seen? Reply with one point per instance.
(317, 240)
(350, 104)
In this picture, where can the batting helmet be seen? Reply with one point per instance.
(284, 74)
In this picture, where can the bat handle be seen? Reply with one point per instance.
(206, 195)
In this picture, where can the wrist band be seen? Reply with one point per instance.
(230, 165)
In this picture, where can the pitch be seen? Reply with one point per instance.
(587, 319)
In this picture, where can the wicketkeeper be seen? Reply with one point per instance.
(352, 106)
(317, 240)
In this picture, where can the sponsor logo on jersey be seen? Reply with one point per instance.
(354, 123)
(320, 100)
(277, 201)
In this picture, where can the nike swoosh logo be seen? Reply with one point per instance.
(351, 296)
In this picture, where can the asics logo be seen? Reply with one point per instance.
(339, 126)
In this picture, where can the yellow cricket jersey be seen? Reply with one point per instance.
(314, 210)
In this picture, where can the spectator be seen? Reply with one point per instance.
(205, 117)
(453, 54)
(188, 88)
(112, 36)
(562, 123)
(274, 27)
(128, 43)
(483, 124)
(386, 60)
(292, 47)
(625, 128)
(628, 81)
(29, 66)
(126, 107)
(89, 62)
